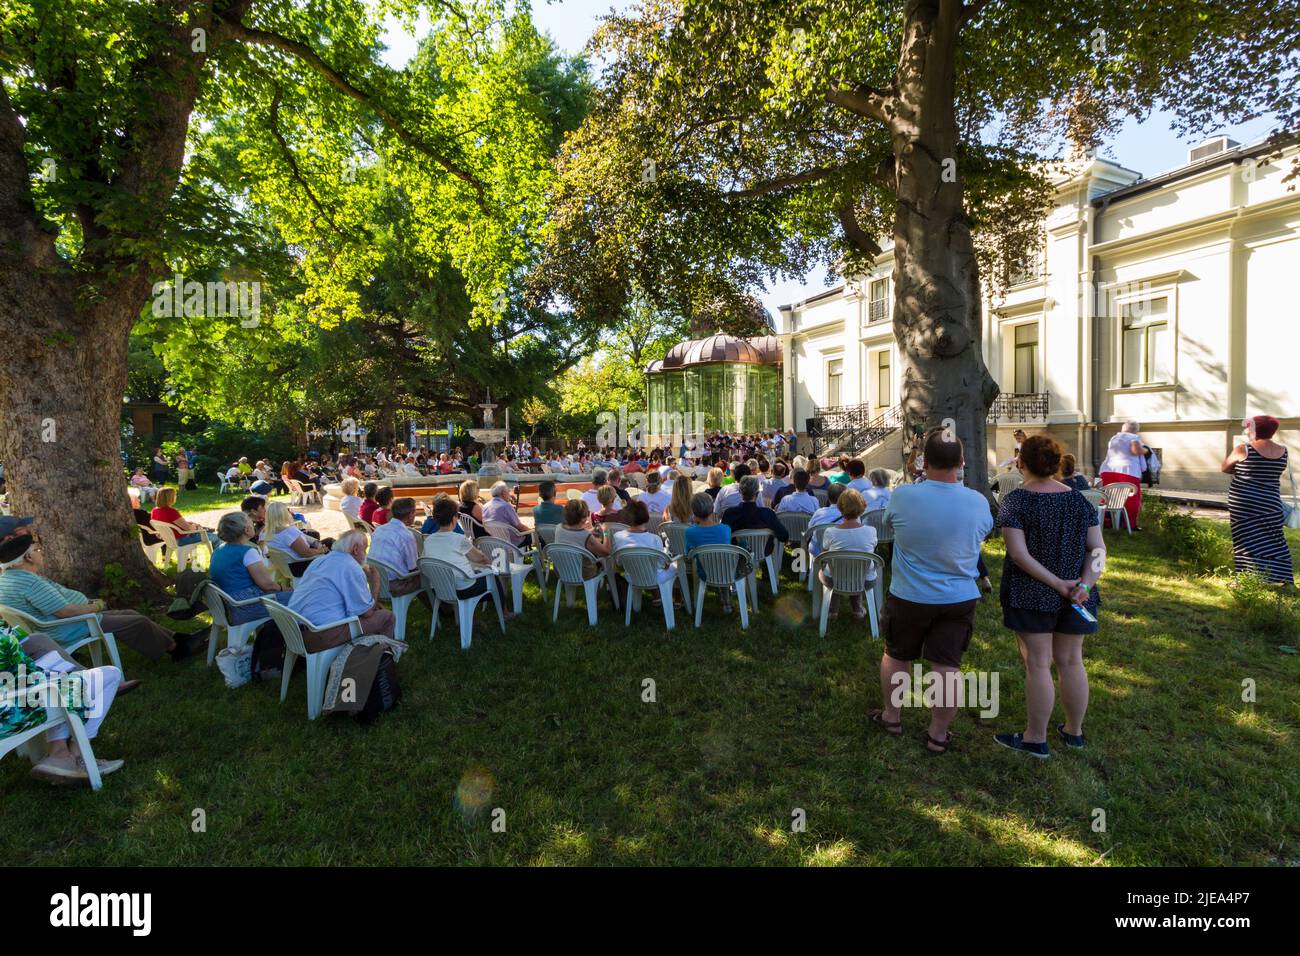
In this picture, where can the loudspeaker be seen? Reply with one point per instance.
(813, 426)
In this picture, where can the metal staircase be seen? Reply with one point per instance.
(851, 428)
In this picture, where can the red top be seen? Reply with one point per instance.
(379, 516)
(632, 468)
(169, 515)
(367, 510)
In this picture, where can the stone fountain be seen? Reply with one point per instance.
(489, 437)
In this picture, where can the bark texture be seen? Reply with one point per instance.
(937, 303)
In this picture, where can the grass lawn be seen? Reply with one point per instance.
(548, 724)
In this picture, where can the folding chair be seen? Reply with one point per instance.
(641, 567)
(568, 563)
(848, 573)
(443, 580)
(718, 567)
(97, 639)
(401, 603)
(219, 606)
(291, 625)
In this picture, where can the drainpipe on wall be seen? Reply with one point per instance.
(1094, 282)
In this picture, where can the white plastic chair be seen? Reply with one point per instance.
(1099, 502)
(641, 567)
(674, 535)
(718, 568)
(97, 639)
(1006, 483)
(443, 579)
(291, 625)
(1117, 495)
(219, 604)
(568, 564)
(546, 534)
(518, 564)
(401, 603)
(848, 573)
(754, 540)
(30, 743)
(814, 534)
(225, 484)
(183, 553)
(280, 562)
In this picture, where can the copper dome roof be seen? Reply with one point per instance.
(655, 366)
(764, 350)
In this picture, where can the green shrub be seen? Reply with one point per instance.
(118, 589)
(1184, 536)
(1264, 607)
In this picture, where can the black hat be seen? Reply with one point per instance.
(15, 548)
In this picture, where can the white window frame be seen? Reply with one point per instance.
(1169, 293)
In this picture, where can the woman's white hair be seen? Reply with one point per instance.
(1132, 427)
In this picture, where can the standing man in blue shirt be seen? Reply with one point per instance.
(938, 527)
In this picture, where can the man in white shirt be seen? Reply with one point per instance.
(729, 496)
(799, 500)
(598, 479)
(830, 514)
(409, 468)
(393, 543)
(501, 509)
(338, 585)
(457, 550)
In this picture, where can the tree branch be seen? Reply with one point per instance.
(858, 237)
(766, 186)
(862, 100)
(310, 58)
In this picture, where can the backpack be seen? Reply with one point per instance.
(385, 691)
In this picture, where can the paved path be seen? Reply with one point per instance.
(330, 524)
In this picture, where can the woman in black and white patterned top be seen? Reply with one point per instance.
(1055, 554)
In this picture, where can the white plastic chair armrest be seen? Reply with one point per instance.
(353, 622)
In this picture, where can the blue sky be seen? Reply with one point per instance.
(1149, 147)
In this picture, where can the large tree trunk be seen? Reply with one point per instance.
(937, 308)
(61, 387)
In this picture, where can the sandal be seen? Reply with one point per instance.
(893, 728)
(942, 745)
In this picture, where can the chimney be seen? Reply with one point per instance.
(1211, 147)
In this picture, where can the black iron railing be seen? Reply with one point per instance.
(878, 311)
(853, 429)
(1019, 407)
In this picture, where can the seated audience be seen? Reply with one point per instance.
(679, 505)
(394, 544)
(501, 508)
(546, 511)
(798, 499)
(24, 587)
(458, 550)
(830, 514)
(383, 499)
(164, 510)
(350, 503)
(283, 535)
(338, 585)
(469, 506)
(850, 534)
(750, 514)
(1070, 475)
(255, 507)
(876, 495)
(89, 693)
(730, 493)
(576, 532)
(655, 498)
(366, 510)
(713, 482)
(238, 568)
(708, 529)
